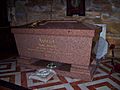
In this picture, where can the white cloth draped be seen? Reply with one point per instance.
(101, 48)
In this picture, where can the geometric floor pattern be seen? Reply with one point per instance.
(102, 80)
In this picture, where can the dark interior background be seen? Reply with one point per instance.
(7, 41)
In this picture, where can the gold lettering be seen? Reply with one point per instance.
(46, 41)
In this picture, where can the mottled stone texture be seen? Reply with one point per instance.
(65, 45)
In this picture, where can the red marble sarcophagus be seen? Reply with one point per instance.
(67, 42)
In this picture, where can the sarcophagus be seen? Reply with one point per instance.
(67, 42)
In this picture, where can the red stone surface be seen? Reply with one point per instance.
(66, 45)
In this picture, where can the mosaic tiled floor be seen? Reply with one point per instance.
(9, 71)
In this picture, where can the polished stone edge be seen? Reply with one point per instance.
(56, 32)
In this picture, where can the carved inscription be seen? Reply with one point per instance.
(44, 45)
(48, 46)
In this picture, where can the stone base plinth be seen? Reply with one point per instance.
(70, 70)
